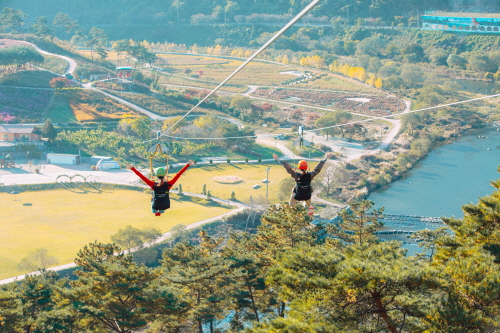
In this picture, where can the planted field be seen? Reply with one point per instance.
(165, 106)
(217, 69)
(87, 105)
(63, 221)
(194, 60)
(23, 105)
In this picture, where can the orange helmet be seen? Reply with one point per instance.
(303, 165)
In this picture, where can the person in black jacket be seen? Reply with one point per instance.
(302, 190)
(160, 200)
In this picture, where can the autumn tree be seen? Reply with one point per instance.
(36, 260)
(326, 120)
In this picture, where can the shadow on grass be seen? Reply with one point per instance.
(86, 188)
(196, 200)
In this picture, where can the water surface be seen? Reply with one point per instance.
(449, 177)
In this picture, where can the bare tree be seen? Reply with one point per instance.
(37, 260)
(335, 176)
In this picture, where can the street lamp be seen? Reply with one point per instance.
(267, 185)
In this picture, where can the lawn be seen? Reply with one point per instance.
(251, 174)
(54, 64)
(35, 78)
(63, 221)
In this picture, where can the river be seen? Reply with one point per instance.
(450, 176)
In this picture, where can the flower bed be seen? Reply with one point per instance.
(94, 106)
(23, 105)
(227, 179)
(372, 105)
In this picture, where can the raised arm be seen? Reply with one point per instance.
(285, 164)
(150, 183)
(320, 165)
(173, 180)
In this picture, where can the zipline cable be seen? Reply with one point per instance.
(341, 125)
(269, 42)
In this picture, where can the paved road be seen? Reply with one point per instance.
(72, 63)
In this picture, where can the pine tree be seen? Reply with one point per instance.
(358, 224)
(368, 287)
(111, 291)
(200, 271)
(48, 130)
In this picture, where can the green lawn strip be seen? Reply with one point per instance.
(63, 221)
(309, 152)
(35, 78)
(54, 64)
(59, 110)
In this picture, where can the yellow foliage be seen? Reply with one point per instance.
(371, 80)
(217, 49)
(285, 60)
(378, 83)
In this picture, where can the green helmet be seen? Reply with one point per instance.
(161, 172)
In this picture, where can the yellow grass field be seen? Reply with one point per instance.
(251, 174)
(63, 221)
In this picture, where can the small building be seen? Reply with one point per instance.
(20, 132)
(96, 159)
(66, 159)
(97, 77)
(123, 72)
(462, 22)
(106, 165)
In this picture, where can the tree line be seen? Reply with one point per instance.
(289, 276)
(182, 12)
(16, 56)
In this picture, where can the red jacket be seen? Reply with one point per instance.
(152, 184)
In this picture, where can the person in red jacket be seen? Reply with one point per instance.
(160, 200)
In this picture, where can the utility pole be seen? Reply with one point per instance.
(267, 185)
(380, 138)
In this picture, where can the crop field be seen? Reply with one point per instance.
(251, 174)
(63, 221)
(171, 81)
(86, 105)
(166, 107)
(194, 60)
(334, 82)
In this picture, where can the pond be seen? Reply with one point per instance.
(481, 87)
